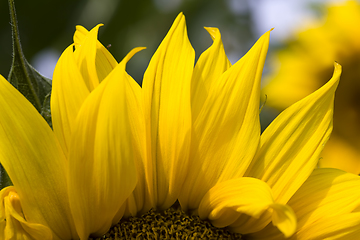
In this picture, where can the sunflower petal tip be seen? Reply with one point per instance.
(132, 53)
(213, 31)
(337, 66)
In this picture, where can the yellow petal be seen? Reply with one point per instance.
(245, 205)
(326, 207)
(93, 59)
(102, 153)
(166, 89)
(104, 61)
(35, 163)
(68, 94)
(284, 219)
(139, 201)
(326, 193)
(291, 145)
(211, 65)
(346, 226)
(12, 222)
(227, 130)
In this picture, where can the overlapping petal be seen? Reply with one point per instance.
(69, 92)
(102, 170)
(332, 206)
(35, 163)
(189, 133)
(166, 89)
(15, 226)
(245, 205)
(104, 60)
(76, 74)
(226, 133)
(211, 65)
(291, 145)
(326, 206)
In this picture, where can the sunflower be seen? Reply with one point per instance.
(306, 63)
(189, 135)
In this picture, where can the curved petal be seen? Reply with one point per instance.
(35, 163)
(291, 145)
(102, 153)
(12, 221)
(227, 131)
(68, 94)
(328, 193)
(166, 89)
(245, 205)
(211, 65)
(93, 60)
(104, 61)
(326, 206)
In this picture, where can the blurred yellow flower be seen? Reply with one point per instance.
(190, 134)
(306, 63)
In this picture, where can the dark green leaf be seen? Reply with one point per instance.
(35, 87)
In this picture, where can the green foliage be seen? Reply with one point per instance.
(35, 87)
(24, 77)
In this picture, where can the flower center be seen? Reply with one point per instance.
(172, 223)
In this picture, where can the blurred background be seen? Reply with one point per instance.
(46, 27)
(309, 36)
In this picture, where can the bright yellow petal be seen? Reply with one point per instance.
(12, 222)
(346, 226)
(211, 65)
(245, 205)
(102, 171)
(166, 89)
(227, 130)
(327, 193)
(139, 201)
(104, 62)
(68, 94)
(93, 59)
(291, 145)
(35, 163)
(326, 206)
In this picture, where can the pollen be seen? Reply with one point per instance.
(172, 223)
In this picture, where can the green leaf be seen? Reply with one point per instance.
(35, 87)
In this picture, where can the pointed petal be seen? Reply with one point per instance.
(93, 59)
(102, 153)
(139, 202)
(227, 130)
(104, 62)
(245, 205)
(167, 110)
(68, 94)
(291, 145)
(35, 163)
(12, 222)
(211, 65)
